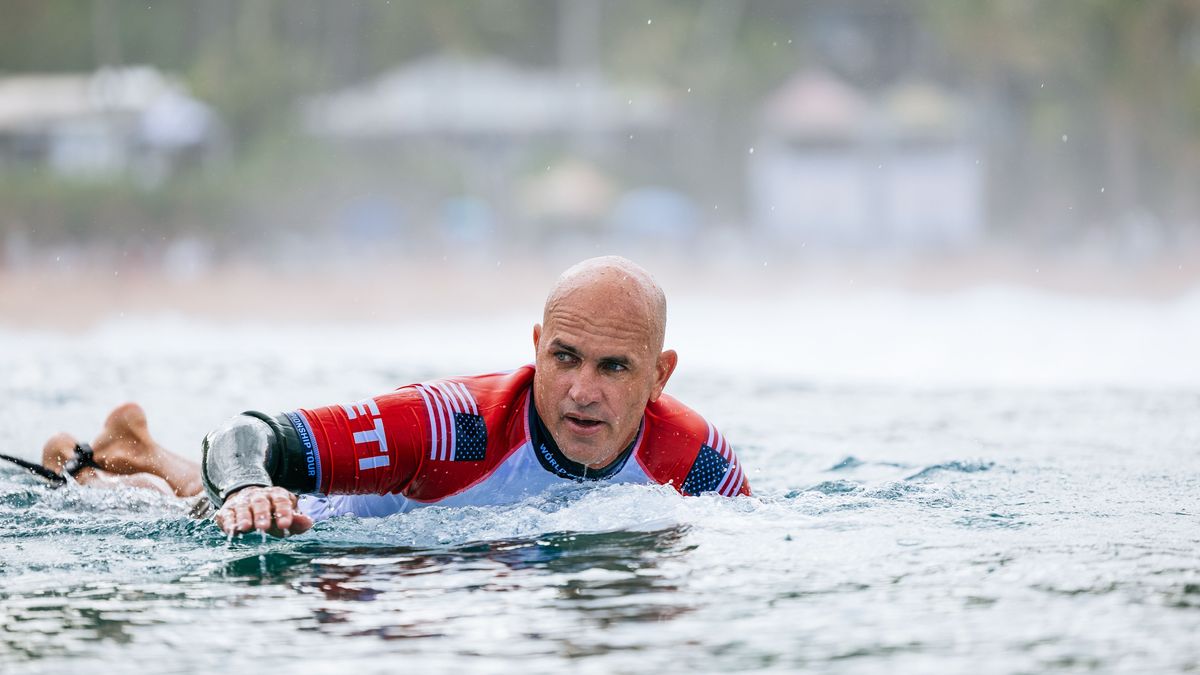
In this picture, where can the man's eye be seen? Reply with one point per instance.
(564, 357)
(613, 367)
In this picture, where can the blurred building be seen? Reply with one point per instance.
(490, 143)
(932, 175)
(465, 98)
(114, 121)
(834, 166)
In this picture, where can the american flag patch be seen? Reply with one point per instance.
(471, 437)
(457, 432)
(716, 468)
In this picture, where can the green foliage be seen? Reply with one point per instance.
(1118, 78)
(48, 209)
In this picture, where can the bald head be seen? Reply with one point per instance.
(612, 283)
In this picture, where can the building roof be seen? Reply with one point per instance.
(33, 103)
(451, 95)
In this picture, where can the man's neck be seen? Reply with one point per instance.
(554, 460)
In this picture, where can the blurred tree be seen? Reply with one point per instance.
(1095, 100)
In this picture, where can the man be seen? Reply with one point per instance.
(590, 408)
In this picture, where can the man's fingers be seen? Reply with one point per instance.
(281, 502)
(260, 509)
(300, 523)
(241, 517)
(233, 519)
(271, 510)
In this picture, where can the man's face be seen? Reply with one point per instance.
(598, 365)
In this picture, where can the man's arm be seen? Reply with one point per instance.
(373, 446)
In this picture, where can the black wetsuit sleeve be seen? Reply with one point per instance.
(254, 449)
(287, 459)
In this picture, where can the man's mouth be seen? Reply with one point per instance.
(581, 424)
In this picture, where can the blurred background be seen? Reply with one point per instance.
(177, 154)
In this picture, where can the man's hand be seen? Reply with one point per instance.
(266, 509)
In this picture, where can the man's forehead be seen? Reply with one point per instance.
(593, 328)
(587, 337)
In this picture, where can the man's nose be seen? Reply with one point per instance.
(585, 388)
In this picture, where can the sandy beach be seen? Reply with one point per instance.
(74, 296)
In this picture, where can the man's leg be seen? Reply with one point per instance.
(128, 455)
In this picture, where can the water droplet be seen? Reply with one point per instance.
(1102, 189)
(752, 151)
(649, 21)
(1064, 138)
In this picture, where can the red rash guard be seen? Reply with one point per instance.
(477, 441)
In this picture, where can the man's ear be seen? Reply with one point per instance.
(665, 366)
(537, 335)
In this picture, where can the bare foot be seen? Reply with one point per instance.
(57, 451)
(61, 448)
(124, 445)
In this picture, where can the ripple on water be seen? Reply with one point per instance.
(832, 487)
(991, 521)
(973, 466)
(849, 462)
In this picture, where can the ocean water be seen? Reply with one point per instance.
(992, 481)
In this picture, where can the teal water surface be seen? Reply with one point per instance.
(894, 528)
